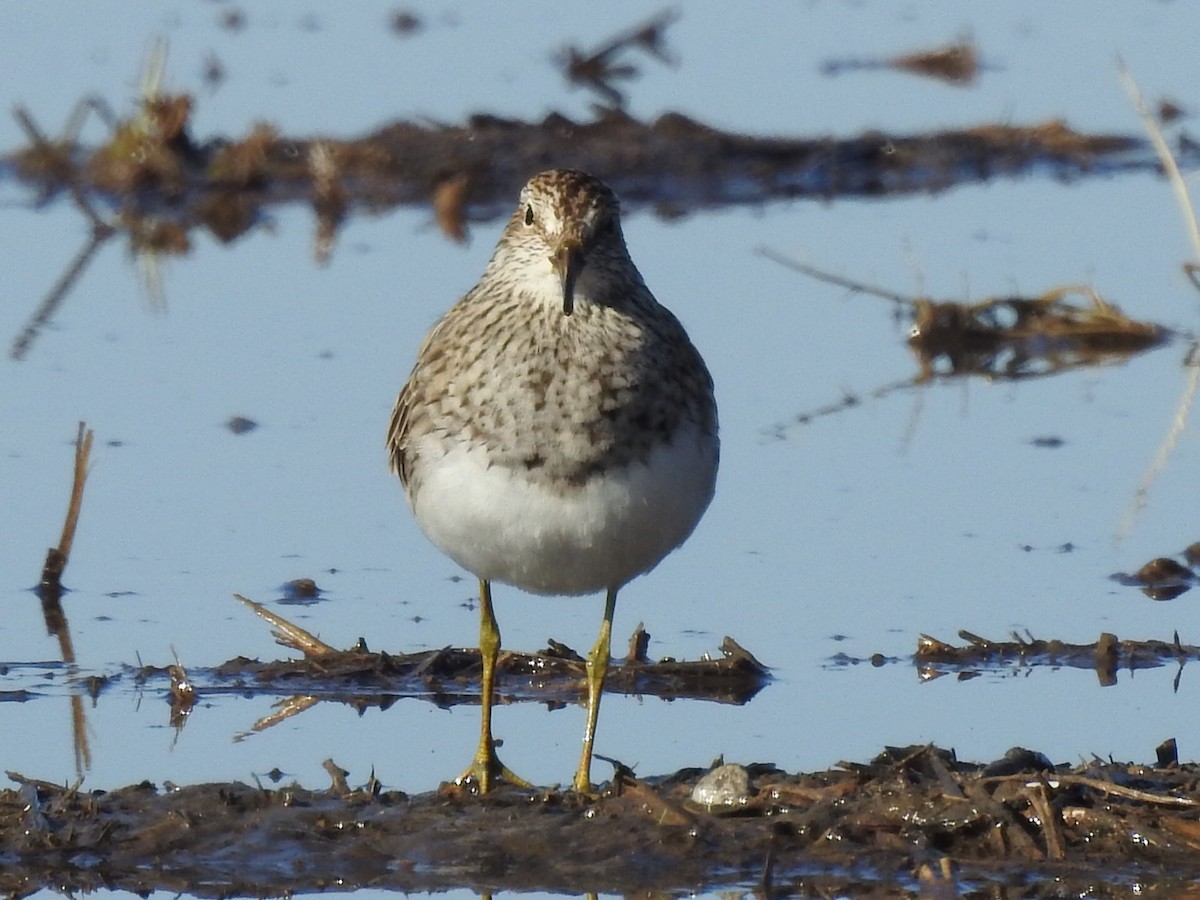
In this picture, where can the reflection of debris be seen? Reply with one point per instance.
(329, 197)
(598, 69)
(183, 694)
(283, 710)
(449, 206)
(956, 63)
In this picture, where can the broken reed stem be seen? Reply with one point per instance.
(56, 557)
(1096, 784)
(1179, 186)
(288, 634)
(83, 452)
(1166, 159)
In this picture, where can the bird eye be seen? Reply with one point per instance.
(529, 215)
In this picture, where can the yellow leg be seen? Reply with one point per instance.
(487, 766)
(597, 669)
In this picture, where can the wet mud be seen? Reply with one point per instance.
(912, 819)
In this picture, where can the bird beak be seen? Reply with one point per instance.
(568, 261)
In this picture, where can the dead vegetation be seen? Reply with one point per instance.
(956, 63)
(1108, 655)
(1021, 337)
(152, 182)
(912, 815)
(449, 676)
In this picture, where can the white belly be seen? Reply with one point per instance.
(504, 525)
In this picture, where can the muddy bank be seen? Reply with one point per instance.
(912, 816)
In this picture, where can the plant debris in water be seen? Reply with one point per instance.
(1020, 337)
(1164, 578)
(956, 63)
(450, 676)
(1106, 656)
(160, 183)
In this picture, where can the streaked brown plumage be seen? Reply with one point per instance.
(558, 431)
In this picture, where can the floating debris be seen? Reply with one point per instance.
(405, 22)
(1007, 338)
(301, 592)
(240, 424)
(1020, 337)
(449, 676)
(956, 63)
(162, 183)
(1160, 579)
(1106, 656)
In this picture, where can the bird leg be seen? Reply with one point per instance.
(487, 766)
(597, 669)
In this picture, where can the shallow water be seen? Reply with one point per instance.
(929, 510)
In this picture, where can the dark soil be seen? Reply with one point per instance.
(912, 818)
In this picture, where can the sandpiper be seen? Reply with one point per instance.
(558, 432)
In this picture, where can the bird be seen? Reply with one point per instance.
(558, 432)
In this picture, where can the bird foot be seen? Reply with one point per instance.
(484, 771)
